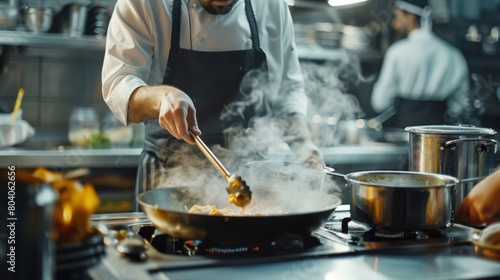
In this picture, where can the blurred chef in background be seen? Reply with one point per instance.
(423, 76)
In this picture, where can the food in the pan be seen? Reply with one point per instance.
(212, 210)
(239, 193)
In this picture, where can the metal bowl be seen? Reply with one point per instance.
(8, 17)
(38, 20)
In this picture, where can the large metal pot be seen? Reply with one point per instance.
(464, 152)
(29, 228)
(400, 200)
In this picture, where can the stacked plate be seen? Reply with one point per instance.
(97, 20)
(74, 259)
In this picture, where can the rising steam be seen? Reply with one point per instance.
(327, 99)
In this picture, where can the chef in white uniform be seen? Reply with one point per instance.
(423, 76)
(177, 64)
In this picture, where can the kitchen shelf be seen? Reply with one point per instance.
(129, 157)
(51, 40)
(61, 41)
(109, 158)
(366, 155)
(317, 52)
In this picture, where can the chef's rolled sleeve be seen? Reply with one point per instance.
(127, 60)
(283, 59)
(119, 97)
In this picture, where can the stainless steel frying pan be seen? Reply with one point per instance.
(303, 212)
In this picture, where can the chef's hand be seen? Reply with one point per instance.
(172, 107)
(312, 157)
(482, 205)
(298, 137)
(177, 114)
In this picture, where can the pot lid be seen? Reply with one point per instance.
(451, 129)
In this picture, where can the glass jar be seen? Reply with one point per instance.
(83, 123)
(119, 135)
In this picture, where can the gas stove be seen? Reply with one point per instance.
(360, 237)
(281, 246)
(337, 248)
(339, 235)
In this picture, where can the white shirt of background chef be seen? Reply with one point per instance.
(422, 67)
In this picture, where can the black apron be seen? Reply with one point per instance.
(212, 80)
(418, 112)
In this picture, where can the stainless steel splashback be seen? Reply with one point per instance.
(55, 81)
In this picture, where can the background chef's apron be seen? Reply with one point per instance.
(212, 80)
(418, 112)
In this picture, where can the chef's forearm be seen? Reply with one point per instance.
(297, 133)
(144, 104)
(296, 130)
(299, 139)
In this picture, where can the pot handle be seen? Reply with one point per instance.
(465, 181)
(331, 171)
(468, 180)
(452, 144)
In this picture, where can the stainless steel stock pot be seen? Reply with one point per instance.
(400, 200)
(464, 151)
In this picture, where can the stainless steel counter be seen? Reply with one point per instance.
(449, 263)
(109, 158)
(348, 158)
(50, 40)
(358, 156)
(457, 259)
(353, 154)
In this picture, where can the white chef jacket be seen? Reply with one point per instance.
(138, 44)
(422, 67)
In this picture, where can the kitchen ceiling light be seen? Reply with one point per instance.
(336, 3)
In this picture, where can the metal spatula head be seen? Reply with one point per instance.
(238, 190)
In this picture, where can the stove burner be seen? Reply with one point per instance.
(388, 233)
(376, 235)
(196, 247)
(167, 244)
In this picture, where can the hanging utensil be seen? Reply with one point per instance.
(17, 105)
(239, 192)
